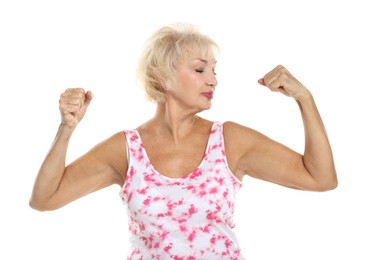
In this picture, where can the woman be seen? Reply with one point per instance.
(179, 172)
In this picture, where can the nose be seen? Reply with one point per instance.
(212, 81)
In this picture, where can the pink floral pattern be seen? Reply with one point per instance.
(181, 218)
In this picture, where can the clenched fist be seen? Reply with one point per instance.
(73, 104)
(281, 80)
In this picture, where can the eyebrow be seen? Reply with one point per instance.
(204, 61)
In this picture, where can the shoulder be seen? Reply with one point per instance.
(112, 146)
(234, 133)
(117, 138)
(240, 139)
(240, 143)
(112, 151)
(233, 130)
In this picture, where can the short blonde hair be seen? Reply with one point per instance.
(162, 53)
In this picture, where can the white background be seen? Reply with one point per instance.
(47, 46)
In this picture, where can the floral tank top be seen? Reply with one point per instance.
(181, 218)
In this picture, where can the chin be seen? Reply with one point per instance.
(202, 106)
(207, 107)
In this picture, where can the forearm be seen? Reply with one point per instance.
(318, 156)
(51, 171)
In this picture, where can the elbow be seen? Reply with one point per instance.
(37, 206)
(328, 185)
(334, 184)
(40, 206)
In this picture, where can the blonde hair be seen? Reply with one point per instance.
(162, 53)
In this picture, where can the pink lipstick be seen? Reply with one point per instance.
(208, 95)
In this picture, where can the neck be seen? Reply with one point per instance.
(174, 121)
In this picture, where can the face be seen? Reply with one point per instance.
(195, 83)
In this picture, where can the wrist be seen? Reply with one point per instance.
(304, 96)
(66, 129)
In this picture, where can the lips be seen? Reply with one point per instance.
(208, 95)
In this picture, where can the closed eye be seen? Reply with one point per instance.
(202, 70)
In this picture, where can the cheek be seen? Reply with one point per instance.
(186, 83)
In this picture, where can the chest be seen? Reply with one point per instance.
(167, 187)
(176, 160)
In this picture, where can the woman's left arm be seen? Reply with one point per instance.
(318, 157)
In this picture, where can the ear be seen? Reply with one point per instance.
(160, 87)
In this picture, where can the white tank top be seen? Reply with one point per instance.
(181, 218)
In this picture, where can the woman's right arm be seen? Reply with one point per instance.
(57, 184)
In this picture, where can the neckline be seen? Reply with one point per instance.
(188, 175)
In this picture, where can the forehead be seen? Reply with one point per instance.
(203, 61)
(206, 56)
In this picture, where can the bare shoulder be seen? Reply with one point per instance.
(116, 140)
(112, 145)
(233, 127)
(112, 153)
(240, 141)
(234, 132)
(115, 147)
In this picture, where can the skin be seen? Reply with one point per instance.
(182, 136)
